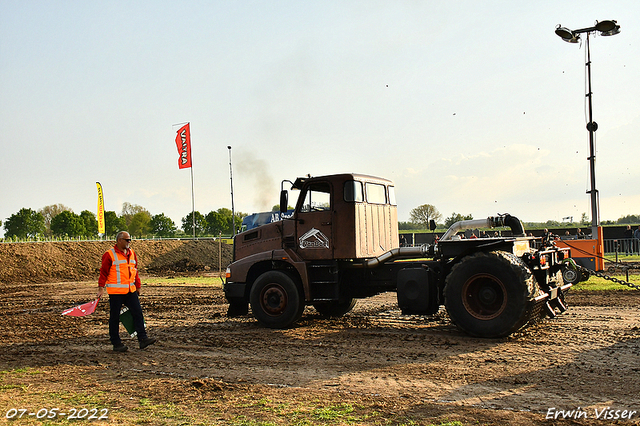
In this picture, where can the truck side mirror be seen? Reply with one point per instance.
(284, 201)
(432, 225)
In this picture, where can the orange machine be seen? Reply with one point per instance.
(587, 253)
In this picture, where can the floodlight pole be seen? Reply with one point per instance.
(606, 28)
(592, 126)
(233, 211)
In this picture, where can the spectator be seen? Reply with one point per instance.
(628, 241)
(636, 235)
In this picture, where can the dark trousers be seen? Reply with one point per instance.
(131, 301)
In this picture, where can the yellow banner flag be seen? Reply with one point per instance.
(101, 227)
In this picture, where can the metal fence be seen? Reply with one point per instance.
(622, 246)
(225, 239)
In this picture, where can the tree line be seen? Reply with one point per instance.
(420, 216)
(59, 221)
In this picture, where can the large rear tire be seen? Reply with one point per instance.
(490, 294)
(334, 309)
(276, 300)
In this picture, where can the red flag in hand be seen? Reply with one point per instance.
(82, 310)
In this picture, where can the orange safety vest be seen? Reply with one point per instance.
(122, 275)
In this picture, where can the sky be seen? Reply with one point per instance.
(474, 107)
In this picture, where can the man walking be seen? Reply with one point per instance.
(119, 274)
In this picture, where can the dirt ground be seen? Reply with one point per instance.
(388, 368)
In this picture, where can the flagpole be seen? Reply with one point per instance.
(193, 204)
(193, 197)
(183, 143)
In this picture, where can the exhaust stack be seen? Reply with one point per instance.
(491, 222)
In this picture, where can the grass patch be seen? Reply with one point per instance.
(334, 413)
(156, 413)
(21, 371)
(76, 398)
(197, 280)
(611, 257)
(267, 412)
(600, 284)
(242, 407)
(8, 387)
(593, 284)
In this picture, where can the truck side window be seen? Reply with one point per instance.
(317, 198)
(392, 196)
(353, 191)
(376, 193)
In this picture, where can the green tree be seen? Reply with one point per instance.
(90, 222)
(140, 224)
(226, 217)
(26, 223)
(216, 223)
(456, 217)
(200, 221)
(49, 212)
(239, 217)
(67, 224)
(629, 219)
(421, 215)
(408, 226)
(163, 226)
(584, 220)
(129, 211)
(113, 224)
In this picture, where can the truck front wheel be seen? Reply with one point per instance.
(276, 300)
(490, 294)
(334, 308)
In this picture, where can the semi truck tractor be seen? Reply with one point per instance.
(342, 244)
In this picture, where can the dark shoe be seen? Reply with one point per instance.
(120, 347)
(146, 342)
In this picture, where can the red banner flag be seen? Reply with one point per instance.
(183, 142)
(82, 310)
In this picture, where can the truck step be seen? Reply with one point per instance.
(550, 311)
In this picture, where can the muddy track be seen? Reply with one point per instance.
(588, 357)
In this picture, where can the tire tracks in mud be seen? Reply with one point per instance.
(585, 357)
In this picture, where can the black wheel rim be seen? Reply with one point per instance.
(484, 296)
(273, 299)
(570, 275)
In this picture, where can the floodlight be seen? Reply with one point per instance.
(567, 35)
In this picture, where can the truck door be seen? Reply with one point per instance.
(313, 225)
